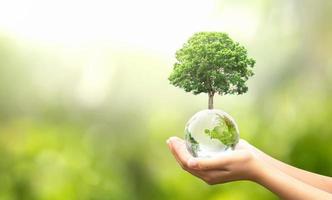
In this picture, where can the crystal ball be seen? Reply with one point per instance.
(211, 132)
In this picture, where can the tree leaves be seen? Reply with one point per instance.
(212, 62)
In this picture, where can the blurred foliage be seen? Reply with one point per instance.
(63, 138)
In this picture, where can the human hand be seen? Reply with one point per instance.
(240, 164)
(248, 163)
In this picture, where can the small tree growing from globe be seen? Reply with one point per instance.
(212, 63)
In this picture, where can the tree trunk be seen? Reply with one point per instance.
(211, 94)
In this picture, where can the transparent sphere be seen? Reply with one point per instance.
(210, 132)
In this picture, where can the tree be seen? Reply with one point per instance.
(211, 62)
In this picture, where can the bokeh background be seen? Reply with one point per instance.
(86, 107)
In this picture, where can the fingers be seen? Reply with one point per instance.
(187, 162)
(217, 162)
(213, 177)
(182, 156)
(227, 166)
(170, 146)
(179, 150)
(210, 170)
(220, 162)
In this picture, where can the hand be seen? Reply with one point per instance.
(248, 163)
(240, 164)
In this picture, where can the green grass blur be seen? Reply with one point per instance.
(76, 124)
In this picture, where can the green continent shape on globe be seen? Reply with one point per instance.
(225, 132)
(193, 143)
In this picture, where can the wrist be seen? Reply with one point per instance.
(259, 169)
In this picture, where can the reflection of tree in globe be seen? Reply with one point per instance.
(210, 132)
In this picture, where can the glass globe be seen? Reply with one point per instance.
(211, 132)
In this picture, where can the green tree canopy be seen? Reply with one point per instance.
(211, 62)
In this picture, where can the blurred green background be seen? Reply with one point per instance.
(86, 107)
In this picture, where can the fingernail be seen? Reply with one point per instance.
(171, 139)
(168, 141)
(192, 163)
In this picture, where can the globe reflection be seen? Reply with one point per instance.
(210, 132)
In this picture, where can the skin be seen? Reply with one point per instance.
(249, 163)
